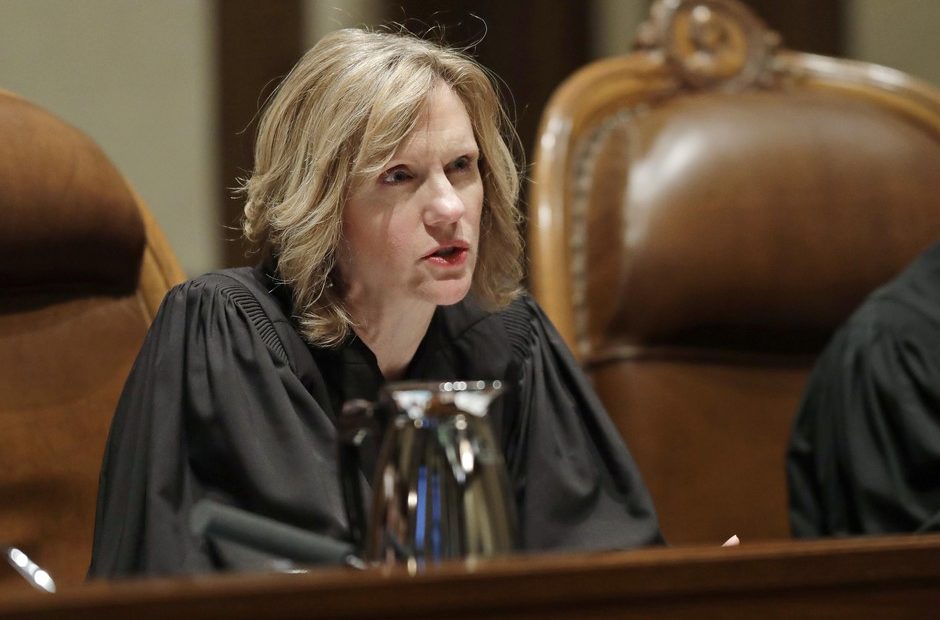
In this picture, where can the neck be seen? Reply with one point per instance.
(391, 331)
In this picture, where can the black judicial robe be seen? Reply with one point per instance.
(864, 456)
(216, 407)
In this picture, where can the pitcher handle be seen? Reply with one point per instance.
(356, 422)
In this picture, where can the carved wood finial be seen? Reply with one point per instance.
(711, 43)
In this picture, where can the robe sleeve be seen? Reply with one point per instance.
(576, 483)
(208, 411)
(864, 455)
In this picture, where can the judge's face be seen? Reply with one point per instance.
(412, 232)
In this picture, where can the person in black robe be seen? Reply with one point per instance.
(383, 197)
(864, 457)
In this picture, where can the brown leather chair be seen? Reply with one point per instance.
(704, 212)
(83, 270)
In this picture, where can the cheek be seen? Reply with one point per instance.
(472, 197)
(356, 246)
(392, 247)
(476, 209)
(380, 243)
(362, 228)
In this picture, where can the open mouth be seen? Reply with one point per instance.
(449, 255)
(447, 252)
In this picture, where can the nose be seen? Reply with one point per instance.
(443, 204)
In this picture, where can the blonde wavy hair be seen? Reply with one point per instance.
(336, 120)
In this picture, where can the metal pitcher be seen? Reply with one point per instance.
(440, 489)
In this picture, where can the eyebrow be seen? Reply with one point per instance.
(468, 149)
(471, 149)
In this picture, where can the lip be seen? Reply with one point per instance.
(456, 256)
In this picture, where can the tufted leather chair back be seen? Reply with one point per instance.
(704, 212)
(83, 268)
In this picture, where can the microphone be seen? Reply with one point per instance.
(211, 518)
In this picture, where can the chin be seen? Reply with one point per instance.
(448, 292)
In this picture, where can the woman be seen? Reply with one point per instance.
(384, 198)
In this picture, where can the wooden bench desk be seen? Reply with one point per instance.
(897, 577)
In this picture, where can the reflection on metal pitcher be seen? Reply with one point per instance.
(441, 489)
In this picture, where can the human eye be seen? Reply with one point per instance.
(462, 163)
(395, 176)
